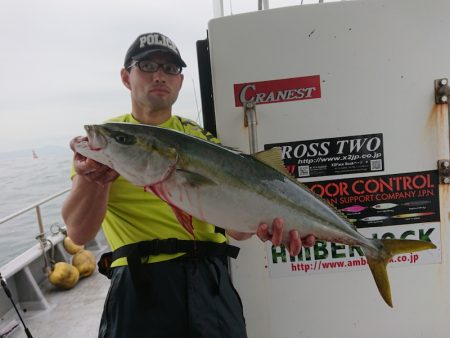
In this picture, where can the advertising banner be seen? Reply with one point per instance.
(402, 206)
(279, 90)
(333, 156)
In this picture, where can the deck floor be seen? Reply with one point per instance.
(73, 313)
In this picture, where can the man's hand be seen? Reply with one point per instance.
(275, 235)
(89, 169)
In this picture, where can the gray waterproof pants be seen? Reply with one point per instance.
(187, 298)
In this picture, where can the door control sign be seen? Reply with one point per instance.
(402, 206)
(387, 200)
(333, 156)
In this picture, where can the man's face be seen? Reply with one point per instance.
(158, 90)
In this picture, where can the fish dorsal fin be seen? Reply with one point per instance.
(273, 158)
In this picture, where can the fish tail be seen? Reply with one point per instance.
(378, 264)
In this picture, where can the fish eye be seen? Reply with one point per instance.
(124, 139)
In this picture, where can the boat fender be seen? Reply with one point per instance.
(84, 261)
(64, 275)
(71, 247)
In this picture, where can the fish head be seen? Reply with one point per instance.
(130, 149)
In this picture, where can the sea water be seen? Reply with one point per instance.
(27, 178)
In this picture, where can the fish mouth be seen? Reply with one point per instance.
(96, 141)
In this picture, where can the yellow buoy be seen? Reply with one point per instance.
(64, 275)
(71, 247)
(84, 261)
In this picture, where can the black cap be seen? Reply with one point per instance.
(149, 43)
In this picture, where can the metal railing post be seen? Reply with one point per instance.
(251, 122)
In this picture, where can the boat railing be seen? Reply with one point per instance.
(37, 207)
(45, 243)
(28, 270)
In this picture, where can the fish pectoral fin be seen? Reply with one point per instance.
(184, 218)
(273, 158)
(193, 179)
(392, 248)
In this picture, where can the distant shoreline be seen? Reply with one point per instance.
(40, 151)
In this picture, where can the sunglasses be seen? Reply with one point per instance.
(152, 67)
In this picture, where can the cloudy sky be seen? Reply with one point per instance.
(60, 61)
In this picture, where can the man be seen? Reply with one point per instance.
(170, 288)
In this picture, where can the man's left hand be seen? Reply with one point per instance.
(275, 235)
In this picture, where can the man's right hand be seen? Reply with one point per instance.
(85, 207)
(89, 169)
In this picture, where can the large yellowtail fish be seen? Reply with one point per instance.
(229, 189)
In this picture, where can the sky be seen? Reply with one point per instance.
(60, 61)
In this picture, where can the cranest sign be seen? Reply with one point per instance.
(274, 91)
